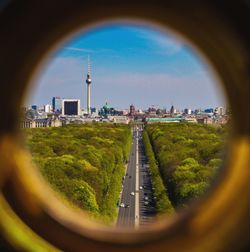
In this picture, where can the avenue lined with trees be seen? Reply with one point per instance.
(84, 163)
(188, 157)
(163, 204)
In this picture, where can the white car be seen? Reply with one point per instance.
(132, 193)
(122, 205)
(141, 187)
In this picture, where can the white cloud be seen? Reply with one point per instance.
(78, 49)
(168, 45)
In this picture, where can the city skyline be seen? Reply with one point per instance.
(130, 65)
(126, 108)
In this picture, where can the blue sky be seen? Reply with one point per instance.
(129, 64)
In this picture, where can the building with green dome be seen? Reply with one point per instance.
(107, 110)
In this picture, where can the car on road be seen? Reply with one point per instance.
(132, 193)
(146, 198)
(122, 205)
(141, 187)
(146, 203)
(127, 206)
(130, 176)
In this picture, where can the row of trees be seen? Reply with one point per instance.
(85, 163)
(163, 204)
(189, 155)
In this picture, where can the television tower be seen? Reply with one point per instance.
(88, 81)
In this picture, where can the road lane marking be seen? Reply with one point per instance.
(137, 212)
(125, 216)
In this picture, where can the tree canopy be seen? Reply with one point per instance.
(84, 163)
(189, 155)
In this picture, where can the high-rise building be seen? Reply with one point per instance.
(172, 110)
(132, 110)
(57, 104)
(71, 107)
(88, 81)
(34, 107)
(47, 108)
(187, 111)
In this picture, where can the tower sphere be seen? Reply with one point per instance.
(88, 80)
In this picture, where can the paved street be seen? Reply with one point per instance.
(136, 203)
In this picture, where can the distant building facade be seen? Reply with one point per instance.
(121, 119)
(47, 108)
(34, 107)
(204, 120)
(132, 110)
(187, 111)
(40, 122)
(57, 104)
(150, 120)
(107, 110)
(209, 110)
(71, 107)
(172, 110)
(189, 120)
(219, 111)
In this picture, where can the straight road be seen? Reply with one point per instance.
(137, 187)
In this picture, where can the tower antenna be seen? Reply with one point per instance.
(88, 66)
(88, 81)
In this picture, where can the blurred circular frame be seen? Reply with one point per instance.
(219, 221)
